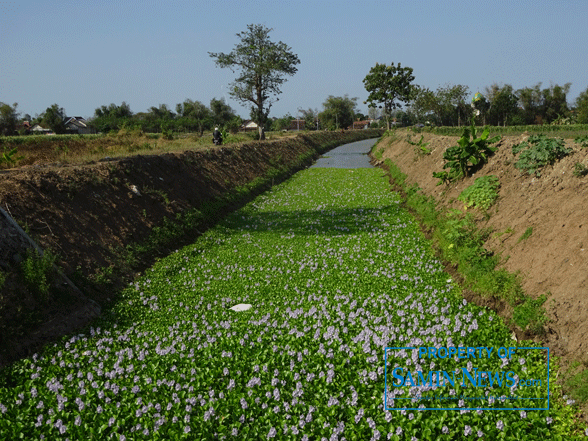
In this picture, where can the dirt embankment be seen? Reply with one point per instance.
(87, 214)
(554, 258)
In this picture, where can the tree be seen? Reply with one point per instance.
(222, 113)
(54, 118)
(158, 119)
(387, 86)
(450, 104)
(582, 107)
(282, 123)
(8, 119)
(530, 100)
(503, 104)
(338, 112)
(422, 105)
(554, 103)
(310, 118)
(262, 65)
(112, 117)
(193, 115)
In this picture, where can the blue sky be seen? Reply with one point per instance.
(84, 54)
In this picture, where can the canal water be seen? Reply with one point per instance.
(353, 155)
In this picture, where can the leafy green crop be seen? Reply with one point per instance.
(482, 193)
(468, 153)
(539, 151)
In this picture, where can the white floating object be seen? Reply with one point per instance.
(135, 190)
(241, 307)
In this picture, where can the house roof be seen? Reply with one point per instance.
(76, 121)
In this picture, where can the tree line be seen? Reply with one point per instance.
(261, 66)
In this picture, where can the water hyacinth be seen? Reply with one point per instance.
(335, 270)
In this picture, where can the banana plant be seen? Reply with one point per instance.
(469, 152)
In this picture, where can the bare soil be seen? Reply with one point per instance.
(554, 259)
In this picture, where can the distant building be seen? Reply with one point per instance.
(248, 125)
(78, 125)
(38, 130)
(357, 125)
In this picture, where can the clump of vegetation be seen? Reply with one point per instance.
(526, 234)
(420, 146)
(539, 151)
(9, 157)
(580, 170)
(482, 193)
(467, 154)
(582, 140)
(36, 272)
(530, 315)
(576, 381)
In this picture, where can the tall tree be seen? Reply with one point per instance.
(262, 65)
(54, 118)
(388, 86)
(339, 112)
(8, 119)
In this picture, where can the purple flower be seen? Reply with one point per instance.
(499, 425)
(272, 433)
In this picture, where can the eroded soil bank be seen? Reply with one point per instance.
(553, 260)
(88, 214)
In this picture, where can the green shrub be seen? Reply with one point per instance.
(36, 272)
(482, 193)
(539, 151)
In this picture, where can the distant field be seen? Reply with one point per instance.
(77, 149)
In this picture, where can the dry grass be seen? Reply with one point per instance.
(80, 149)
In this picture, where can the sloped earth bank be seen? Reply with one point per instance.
(87, 214)
(554, 259)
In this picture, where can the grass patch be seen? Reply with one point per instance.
(526, 234)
